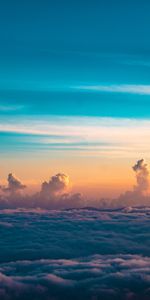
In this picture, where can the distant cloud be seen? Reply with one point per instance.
(56, 184)
(14, 185)
(53, 194)
(9, 108)
(86, 135)
(142, 174)
(135, 197)
(115, 88)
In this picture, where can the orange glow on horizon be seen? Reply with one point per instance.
(92, 177)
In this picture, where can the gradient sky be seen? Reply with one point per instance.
(75, 91)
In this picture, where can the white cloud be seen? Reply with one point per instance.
(122, 136)
(115, 88)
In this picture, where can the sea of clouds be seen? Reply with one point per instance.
(75, 254)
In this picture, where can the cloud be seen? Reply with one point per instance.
(142, 174)
(14, 185)
(95, 277)
(56, 185)
(114, 88)
(75, 254)
(53, 194)
(119, 136)
(37, 234)
(137, 196)
(10, 108)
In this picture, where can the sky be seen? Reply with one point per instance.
(75, 150)
(74, 92)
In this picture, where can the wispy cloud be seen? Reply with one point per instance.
(116, 88)
(9, 107)
(93, 135)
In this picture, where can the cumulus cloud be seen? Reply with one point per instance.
(53, 193)
(14, 184)
(142, 174)
(138, 196)
(56, 185)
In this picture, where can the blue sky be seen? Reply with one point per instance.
(50, 47)
(66, 64)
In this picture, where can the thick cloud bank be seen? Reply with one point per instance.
(94, 277)
(75, 254)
